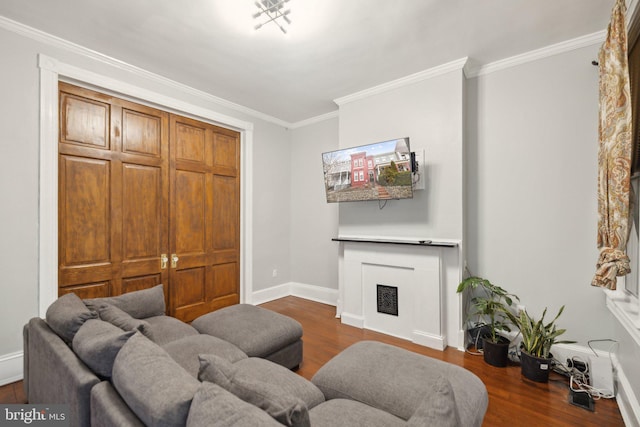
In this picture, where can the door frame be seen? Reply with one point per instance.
(53, 70)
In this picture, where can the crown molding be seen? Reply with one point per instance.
(404, 81)
(316, 119)
(57, 42)
(534, 55)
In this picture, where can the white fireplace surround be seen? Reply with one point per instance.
(420, 274)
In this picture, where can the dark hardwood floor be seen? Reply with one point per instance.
(513, 401)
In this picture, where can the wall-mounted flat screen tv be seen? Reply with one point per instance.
(379, 171)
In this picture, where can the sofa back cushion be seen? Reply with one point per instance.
(97, 344)
(139, 304)
(155, 387)
(185, 351)
(165, 329)
(123, 320)
(67, 314)
(213, 406)
(287, 381)
(285, 408)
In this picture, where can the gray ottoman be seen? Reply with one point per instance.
(256, 331)
(402, 383)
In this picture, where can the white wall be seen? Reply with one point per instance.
(19, 168)
(314, 257)
(531, 185)
(272, 206)
(531, 204)
(430, 113)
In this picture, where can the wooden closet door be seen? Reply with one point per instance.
(113, 194)
(204, 217)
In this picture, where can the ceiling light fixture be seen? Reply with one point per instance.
(272, 9)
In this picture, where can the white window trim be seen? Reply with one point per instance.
(626, 308)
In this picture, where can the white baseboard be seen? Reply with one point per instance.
(270, 294)
(11, 366)
(311, 292)
(315, 293)
(352, 320)
(627, 400)
(428, 340)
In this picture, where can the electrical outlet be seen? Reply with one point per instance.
(275, 272)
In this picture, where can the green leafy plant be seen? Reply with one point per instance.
(491, 305)
(538, 337)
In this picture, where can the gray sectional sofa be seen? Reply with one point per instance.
(120, 361)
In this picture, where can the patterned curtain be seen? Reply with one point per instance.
(614, 155)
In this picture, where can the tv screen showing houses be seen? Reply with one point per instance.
(380, 171)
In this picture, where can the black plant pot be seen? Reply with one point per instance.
(535, 368)
(476, 334)
(496, 353)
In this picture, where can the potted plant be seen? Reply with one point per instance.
(537, 339)
(491, 311)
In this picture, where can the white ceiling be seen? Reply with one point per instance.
(333, 47)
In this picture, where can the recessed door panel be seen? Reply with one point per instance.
(225, 213)
(84, 211)
(190, 142)
(224, 281)
(189, 287)
(141, 211)
(84, 121)
(141, 133)
(190, 212)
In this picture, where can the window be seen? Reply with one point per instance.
(355, 177)
(355, 163)
(360, 162)
(361, 176)
(370, 163)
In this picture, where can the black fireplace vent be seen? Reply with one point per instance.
(388, 299)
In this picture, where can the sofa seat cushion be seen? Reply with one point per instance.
(164, 329)
(97, 344)
(288, 381)
(285, 408)
(67, 314)
(256, 331)
(344, 412)
(396, 380)
(139, 304)
(185, 351)
(155, 387)
(213, 406)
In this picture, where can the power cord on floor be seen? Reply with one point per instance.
(579, 379)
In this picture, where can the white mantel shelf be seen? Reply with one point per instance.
(449, 244)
